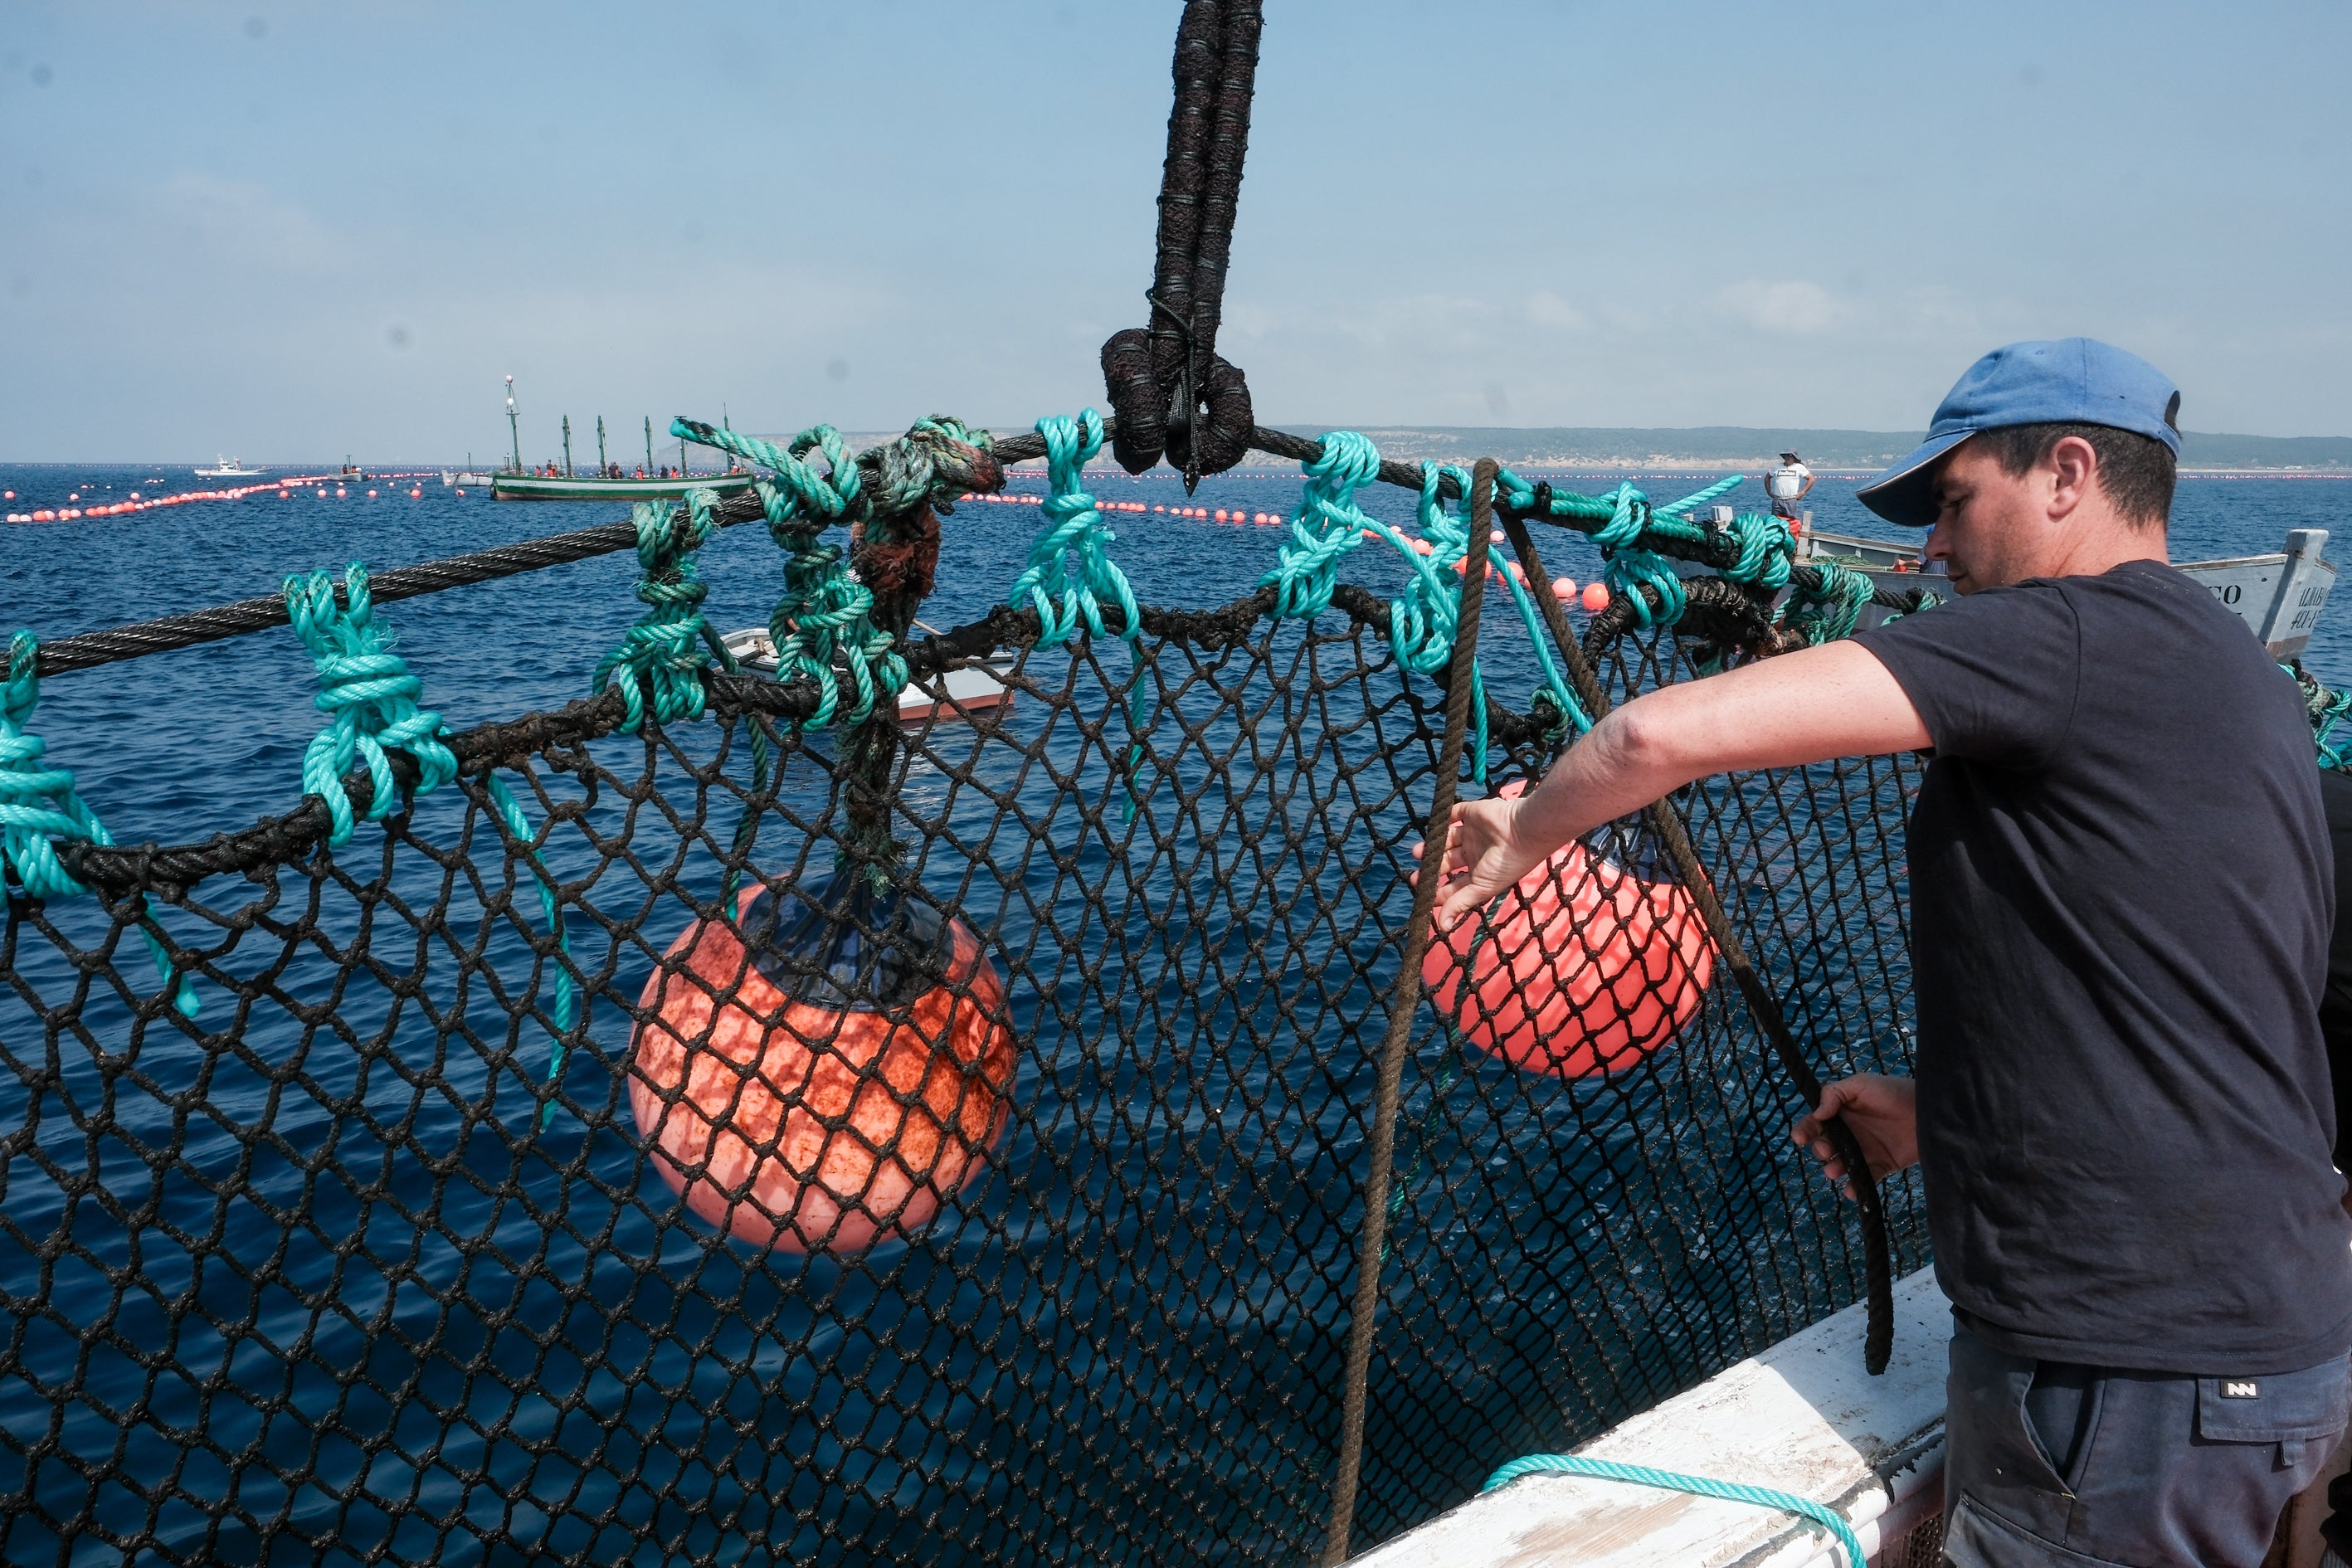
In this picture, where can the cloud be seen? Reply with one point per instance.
(1546, 308)
(1791, 309)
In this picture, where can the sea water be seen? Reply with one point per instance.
(177, 747)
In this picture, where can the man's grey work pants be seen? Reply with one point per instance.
(2049, 1465)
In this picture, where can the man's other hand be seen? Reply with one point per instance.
(1883, 1114)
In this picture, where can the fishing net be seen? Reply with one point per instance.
(709, 1128)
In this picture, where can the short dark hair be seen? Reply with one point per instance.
(2136, 471)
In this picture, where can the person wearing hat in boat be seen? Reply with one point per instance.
(2121, 901)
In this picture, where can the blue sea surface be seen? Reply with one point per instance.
(1145, 1294)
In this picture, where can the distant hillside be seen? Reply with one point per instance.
(1728, 446)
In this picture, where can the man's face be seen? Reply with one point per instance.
(1990, 524)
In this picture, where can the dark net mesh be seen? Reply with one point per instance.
(1043, 1150)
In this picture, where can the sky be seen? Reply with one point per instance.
(297, 231)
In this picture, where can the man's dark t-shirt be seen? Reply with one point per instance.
(2121, 897)
(2336, 1001)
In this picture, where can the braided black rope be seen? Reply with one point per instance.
(1171, 391)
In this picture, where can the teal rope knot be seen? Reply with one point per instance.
(1698, 1486)
(798, 494)
(1074, 527)
(1327, 525)
(39, 804)
(370, 698)
(1832, 610)
(668, 645)
(1630, 567)
(825, 610)
(1766, 551)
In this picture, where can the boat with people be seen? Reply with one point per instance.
(229, 468)
(549, 485)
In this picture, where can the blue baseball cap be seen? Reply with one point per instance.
(2072, 381)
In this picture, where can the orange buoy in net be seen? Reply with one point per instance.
(827, 1085)
(1585, 967)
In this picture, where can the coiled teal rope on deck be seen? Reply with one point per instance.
(667, 649)
(1698, 1486)
(371, 698)
(1831, 610)
(39, 804)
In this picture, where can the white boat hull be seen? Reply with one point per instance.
(960, 693)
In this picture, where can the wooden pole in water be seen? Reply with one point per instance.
(1404, 1005)
(1878, 1269)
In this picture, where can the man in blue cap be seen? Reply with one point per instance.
(2120, 901)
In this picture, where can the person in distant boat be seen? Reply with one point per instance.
(2121, 903)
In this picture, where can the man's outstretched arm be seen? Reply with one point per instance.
(1836, 701)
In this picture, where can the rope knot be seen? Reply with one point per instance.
(368, 696)
(1064, 600)
(1327, 525)
(665, 649)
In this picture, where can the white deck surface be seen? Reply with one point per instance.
(1802, 1418)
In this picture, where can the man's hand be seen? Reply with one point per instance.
(1883, 1114)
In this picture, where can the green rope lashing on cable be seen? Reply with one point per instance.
(39, 804)
(667, 649)
(1832, 610)
(824, 610)
(370, 700)
(1074, 527)
(1327, 525)
(1697, 1485)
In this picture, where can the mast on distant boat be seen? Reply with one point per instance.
(567, 446)
(602, 462)
(514, 429)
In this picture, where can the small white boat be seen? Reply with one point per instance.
(465, 476)
(229, 468)
(959, 693)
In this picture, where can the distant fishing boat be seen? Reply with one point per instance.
(229, 468)
(515, 482)
(506, 486)
(463, 477)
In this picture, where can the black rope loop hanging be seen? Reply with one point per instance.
(1171, 391)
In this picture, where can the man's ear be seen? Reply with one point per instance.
(2073, 467)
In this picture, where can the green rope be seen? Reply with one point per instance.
(39, 804)
(1422, 623)
(1831, 610)
(667, 649)
(371, 700)
(1698, 1486)
(824, 611)
(1074, 527)
(2322, 708)
(1327, 525)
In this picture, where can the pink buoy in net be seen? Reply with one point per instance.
(828, 1085)
(1585, 967)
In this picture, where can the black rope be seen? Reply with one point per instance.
(1173, 392)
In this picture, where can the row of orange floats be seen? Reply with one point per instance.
(134, 502)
